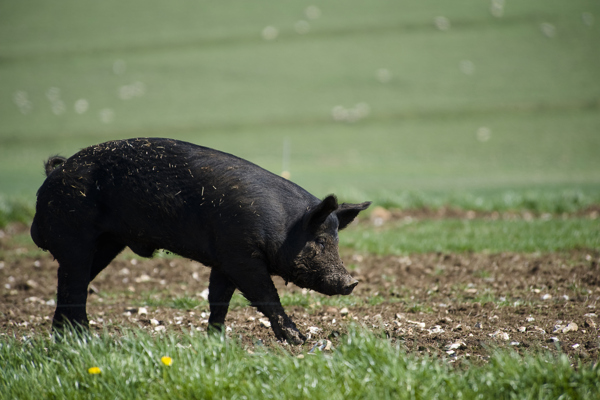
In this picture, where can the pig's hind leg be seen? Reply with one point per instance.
(80, 260)
(75, 257)
(219, 295)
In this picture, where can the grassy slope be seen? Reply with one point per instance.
(210, 78)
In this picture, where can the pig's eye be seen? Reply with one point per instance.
(321, 243)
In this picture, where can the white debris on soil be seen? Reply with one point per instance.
(31, 284)
(313, 330)
(264, 322)
(204, 294)
(435, 329)
(380, 215)
(457, 345)
(358, 258)
(417, 323)
(143, 278)
(33, 299)
(500, 335)
(537, 329)
(571, 327)
(322, 345)
(589, 323)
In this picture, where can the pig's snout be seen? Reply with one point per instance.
(333, 285)
(350, 287)
(346, 284)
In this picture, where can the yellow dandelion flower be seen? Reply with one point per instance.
(166, 360)
(94, 370)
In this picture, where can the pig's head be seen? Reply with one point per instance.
(317, 264)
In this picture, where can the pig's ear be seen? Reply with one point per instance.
(347, 212)
(315, 217)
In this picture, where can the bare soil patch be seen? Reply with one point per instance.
(456, 306)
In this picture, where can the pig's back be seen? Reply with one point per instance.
(176, 195)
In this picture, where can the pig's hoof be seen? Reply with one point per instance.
(63, 328)
(61, 325)
(294, 337)
(215, 328)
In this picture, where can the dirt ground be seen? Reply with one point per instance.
(454, 306)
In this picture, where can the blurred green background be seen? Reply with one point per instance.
(405, 102)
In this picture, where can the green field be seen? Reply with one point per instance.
(491, 106)
(453, 235)
(497, 102)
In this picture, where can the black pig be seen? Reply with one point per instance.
(227, 213)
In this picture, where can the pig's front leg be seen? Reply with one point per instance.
(255, 283)
(282, 325)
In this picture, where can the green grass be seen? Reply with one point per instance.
(525, 117)
(455, 235)
(552, 200)
(15, 210)
(362, 365)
